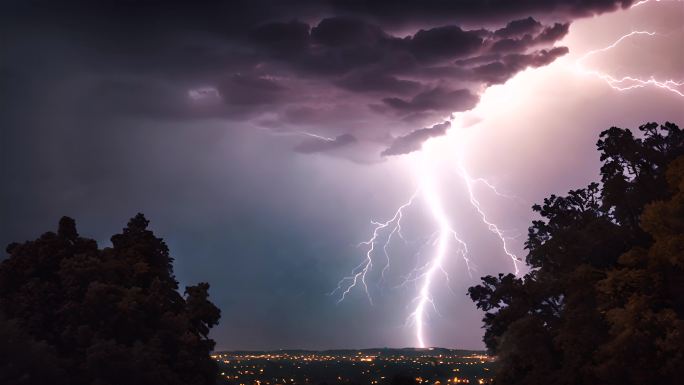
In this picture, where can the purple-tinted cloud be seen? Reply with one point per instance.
(251, 90)
(437, 99)
(391, 66)
(412, 141)
(518, 28)
(502, 68)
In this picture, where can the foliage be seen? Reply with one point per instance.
(77, 314)
(603, 302)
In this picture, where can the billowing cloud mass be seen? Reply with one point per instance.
(391, 66)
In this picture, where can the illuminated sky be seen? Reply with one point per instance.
(261, 138)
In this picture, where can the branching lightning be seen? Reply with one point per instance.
(444, 237)
(492, 187)
(483, 216)
(626, 83)
(358, 275)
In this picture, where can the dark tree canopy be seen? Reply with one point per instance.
(603, 302)
(71, 313)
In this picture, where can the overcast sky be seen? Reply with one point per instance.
(261, 138)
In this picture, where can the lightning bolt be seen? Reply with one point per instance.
(359, 273)
(626, 83)
(210, 95)
(642, 2)
(492, 187)
(475, 203)
(445, 236)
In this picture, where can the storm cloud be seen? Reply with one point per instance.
(395, 66)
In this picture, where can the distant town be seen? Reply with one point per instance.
(365, 366)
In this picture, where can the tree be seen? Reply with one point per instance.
(602, 302)
(102, 316)
(643, 297)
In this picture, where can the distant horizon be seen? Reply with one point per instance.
(345, 349)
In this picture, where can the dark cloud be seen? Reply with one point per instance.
(266, 59)
(512, 45)
(344, 31)
(232, 17)
(251, 90)
(522, 42)
(502, 68)
(448, 42)
(438, 99)
(439, 11)
(283, 38)
(412, 141)
(376, 81)
(551, 34)
(314, 145)
(518, 28)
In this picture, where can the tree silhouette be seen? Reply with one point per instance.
(603, 302)
(643, 297)
(76, 314)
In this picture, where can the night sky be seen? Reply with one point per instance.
(262, 137)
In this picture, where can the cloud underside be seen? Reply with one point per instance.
(413, 141)
(351, 75)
